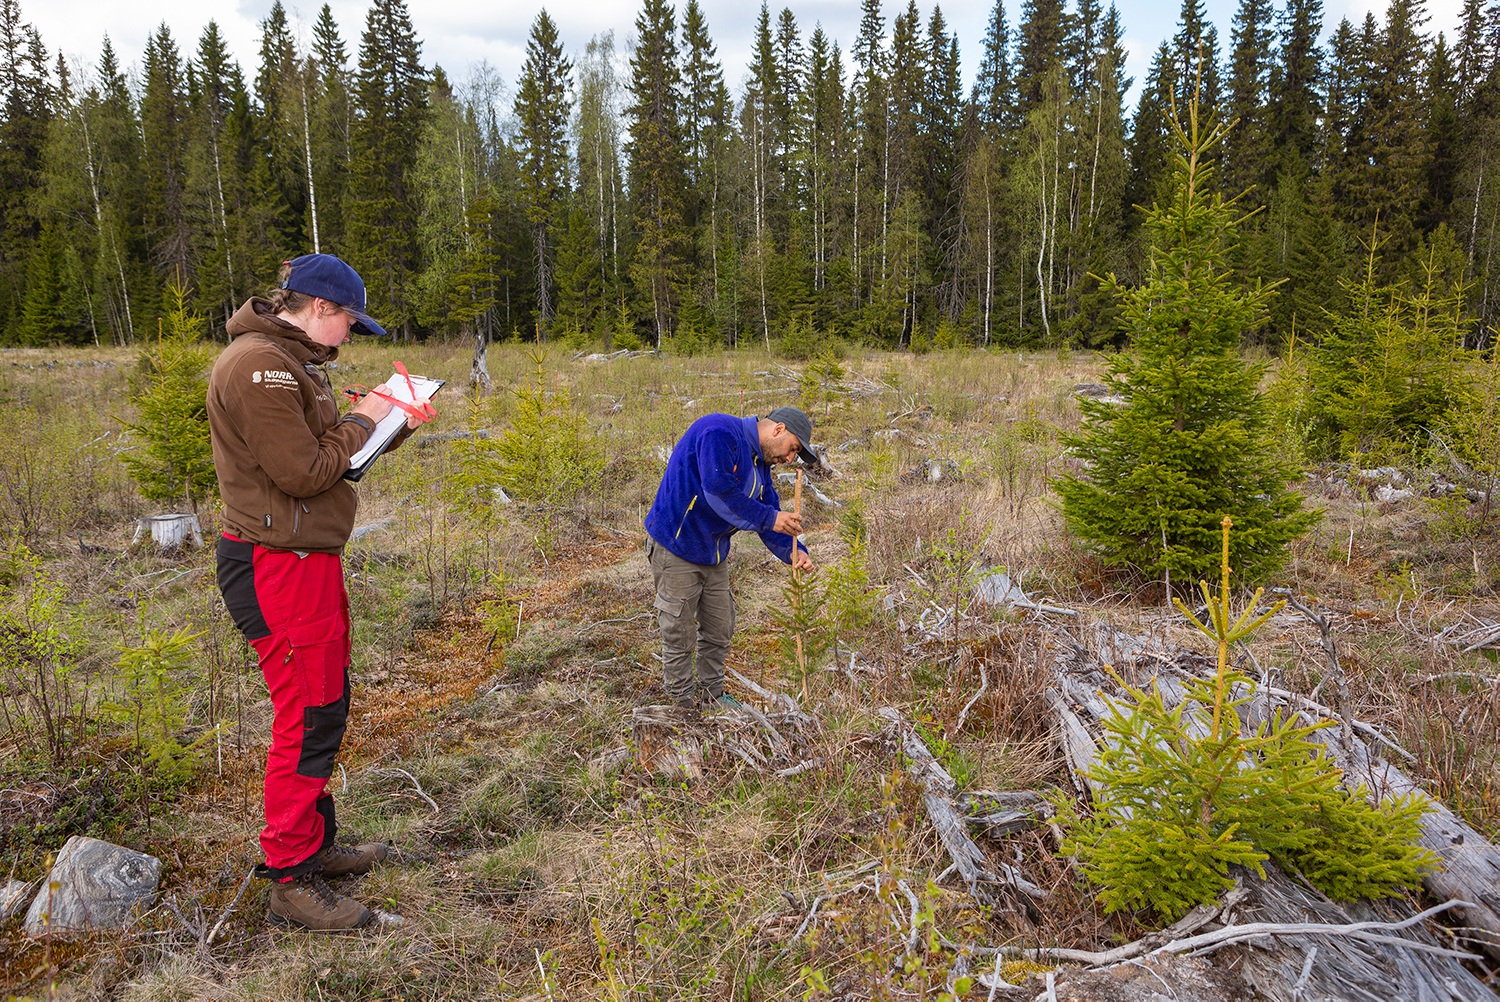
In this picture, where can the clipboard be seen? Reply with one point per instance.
(401, 387)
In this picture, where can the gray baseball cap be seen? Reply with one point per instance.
(798, 424)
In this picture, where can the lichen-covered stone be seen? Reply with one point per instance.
(93, 885)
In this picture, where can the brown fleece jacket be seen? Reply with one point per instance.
(280, 447)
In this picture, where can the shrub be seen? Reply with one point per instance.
(1182, 795)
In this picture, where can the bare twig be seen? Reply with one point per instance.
(1305, 976)
(213, 933)
(806, 765)
(1372, 932)
(602, 622)
(413, 780)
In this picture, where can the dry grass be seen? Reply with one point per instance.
(538, 876)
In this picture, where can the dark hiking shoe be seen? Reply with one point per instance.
(343, 860)
(310, 903)
(689, 707)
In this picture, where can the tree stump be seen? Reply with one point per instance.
(169, 532)
(665, 743)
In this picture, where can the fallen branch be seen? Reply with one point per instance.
(773, 698)
(1147, 946)
(602, 622)
(984, 685)
(213, 933)
(937, 790)
(806, 765)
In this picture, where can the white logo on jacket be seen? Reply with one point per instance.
(278, 378)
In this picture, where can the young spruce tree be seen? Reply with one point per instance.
(173, 458)
(1188, 445)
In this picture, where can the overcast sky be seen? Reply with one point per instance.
(458, 34)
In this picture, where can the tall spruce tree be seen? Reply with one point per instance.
(706, 132)
(657, 166)
(992, 95)
(1188, 446)
(332, 120)
(391, 107)
(1151, 139)
(1247, 147)
(26, 104)
(213, 181)
(1295, 87)
(111, 163)
(164, 138)
(279, 124)
(543, 106)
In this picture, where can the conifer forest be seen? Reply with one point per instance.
(855, 187)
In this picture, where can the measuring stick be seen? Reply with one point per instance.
(801, 658)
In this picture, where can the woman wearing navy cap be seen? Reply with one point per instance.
(281, 449)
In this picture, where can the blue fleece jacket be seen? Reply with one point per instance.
(716, 484)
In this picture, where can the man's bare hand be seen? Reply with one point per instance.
(801, 559)
(788, 522)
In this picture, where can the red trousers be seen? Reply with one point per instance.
(294, 610)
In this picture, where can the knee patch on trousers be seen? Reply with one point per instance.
(322, 733)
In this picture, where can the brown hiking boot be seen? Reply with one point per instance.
(309, 902)
(343, 860)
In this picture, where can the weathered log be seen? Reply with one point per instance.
(1471, 865)
(938, 791)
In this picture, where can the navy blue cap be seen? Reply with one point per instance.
(326, 277)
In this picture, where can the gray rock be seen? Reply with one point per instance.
(361, 531)
(93, 885)
(13, 898)
(1099, 392)
(1390, 474)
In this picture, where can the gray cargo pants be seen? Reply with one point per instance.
(695, 610)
